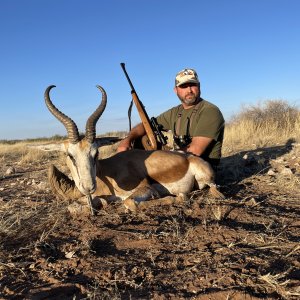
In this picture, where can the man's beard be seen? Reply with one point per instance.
(189, 99)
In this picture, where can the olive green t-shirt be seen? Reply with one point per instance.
(205, 119)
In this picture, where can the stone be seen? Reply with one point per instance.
(286, 171)
(271, 172)
(10, 171)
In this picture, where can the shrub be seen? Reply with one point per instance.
(268, 123)
(279, 113)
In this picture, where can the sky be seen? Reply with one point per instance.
(244, 51)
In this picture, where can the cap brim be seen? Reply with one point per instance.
(188, 81)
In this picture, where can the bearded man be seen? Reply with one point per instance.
(197, 125)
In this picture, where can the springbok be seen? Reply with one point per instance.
(133, 176)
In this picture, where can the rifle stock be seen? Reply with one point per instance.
(152, 133)
(151, 141)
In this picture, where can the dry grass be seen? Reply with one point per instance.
(20, 149)
(268, 123)
(33, 155)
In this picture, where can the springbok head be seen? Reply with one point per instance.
(82, 152)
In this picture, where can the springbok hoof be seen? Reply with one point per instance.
(80, 207)
(130, 205)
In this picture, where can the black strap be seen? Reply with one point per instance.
(190, 119)
(194, 112)
(177, 129)
(129, 113)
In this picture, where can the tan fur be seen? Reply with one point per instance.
(83, 143)
(137, 175)
(175, 169)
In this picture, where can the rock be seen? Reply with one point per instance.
(262, 161)
(286, 171)
(10, 171)
(271, 173)
(70, 254)
(252, 202)
(42, 186)
(249, 160)
(245, 156)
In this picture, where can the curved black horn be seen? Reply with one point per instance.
(90, 129)
(69, 124)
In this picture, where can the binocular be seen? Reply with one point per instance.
(181, 141)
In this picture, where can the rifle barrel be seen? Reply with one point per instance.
(127, 76)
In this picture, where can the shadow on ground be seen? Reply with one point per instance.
(235, 168)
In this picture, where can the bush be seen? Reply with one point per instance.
(278, 113)
(268, 123)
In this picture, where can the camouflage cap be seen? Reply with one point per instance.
(185, 76)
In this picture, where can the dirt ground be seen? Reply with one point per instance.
(243, 247)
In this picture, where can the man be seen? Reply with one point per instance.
(197, 125)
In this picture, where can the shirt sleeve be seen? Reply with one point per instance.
(209, 123)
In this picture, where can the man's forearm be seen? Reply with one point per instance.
(135, 132)
(198, 145)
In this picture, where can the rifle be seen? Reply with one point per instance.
(155, 139)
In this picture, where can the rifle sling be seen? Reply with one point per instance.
(129, 113)
(189, 120)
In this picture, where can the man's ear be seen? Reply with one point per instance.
(104, 141)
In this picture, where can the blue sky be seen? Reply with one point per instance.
(244, 51)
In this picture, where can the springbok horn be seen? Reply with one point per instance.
(69, 124)
(90, 129)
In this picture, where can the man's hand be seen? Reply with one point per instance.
(124, 145)
(136, 132)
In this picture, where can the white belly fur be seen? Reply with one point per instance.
(184, 185)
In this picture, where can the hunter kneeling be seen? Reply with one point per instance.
(197, 125)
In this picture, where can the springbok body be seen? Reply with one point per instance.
(133, 176)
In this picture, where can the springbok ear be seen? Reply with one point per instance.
(104, 141)
(48, 147)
